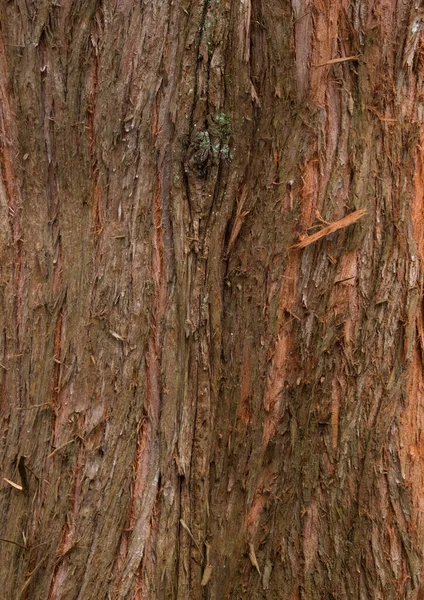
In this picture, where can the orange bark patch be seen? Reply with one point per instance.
(244, 30)
(8, 178)
(244, 412)
(335, 409)
(153, 366)
(8, 146)
(309, 193)
(254, 513)
(302, 46)
(412, 442)
(140, 472)
(145, 465)
(277, 374)
(96, 207)
(325, 35)
(344, 297)
(418, 200)
(282, 350)
(155, 118)
(310, 536)
(412, 423)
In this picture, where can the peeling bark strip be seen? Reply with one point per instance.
(331, 228)
(188, 410)
(335, 61)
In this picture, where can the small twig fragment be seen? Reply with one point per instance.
(208, 569)
(253, 558)
(389, 120)
(31, 575)
(36, 406)
(117, 336)
(62, 446)
(187, 528)
(238, 221)
(13, 484)
(267, 574)
(206, 575)
(12, 542)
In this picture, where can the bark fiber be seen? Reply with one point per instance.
(195, 405)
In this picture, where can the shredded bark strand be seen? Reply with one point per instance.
(331, 228)
(335, 61)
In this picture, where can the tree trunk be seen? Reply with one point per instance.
(193, 403)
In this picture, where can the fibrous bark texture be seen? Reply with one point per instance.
(198, 401)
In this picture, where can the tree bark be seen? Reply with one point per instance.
(193, 403)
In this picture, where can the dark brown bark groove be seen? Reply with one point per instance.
(193, 407)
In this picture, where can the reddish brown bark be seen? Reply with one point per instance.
(196, 403)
